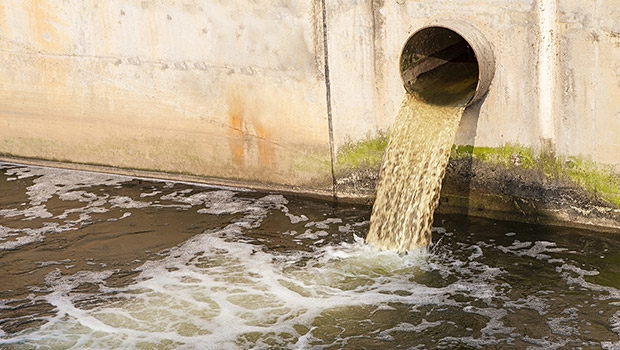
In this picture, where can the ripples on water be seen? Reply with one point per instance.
(100, 261)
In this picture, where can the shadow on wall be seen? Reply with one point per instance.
(457, 181)
(518, 183)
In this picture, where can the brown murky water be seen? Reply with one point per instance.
(94, 261)
(411, 174)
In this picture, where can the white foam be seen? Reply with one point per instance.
(150, 194)
(47, 183)
(614, 321)
(78, 195)
(218, 289)
(309, 234)
(530, 302)
(51, 263)
(28, 235)
(34, 212)
(296, 219)
(50, 181)
(127, 203)
(536, 251)
(324, 224)
(408, 327)
(213, 289)
(565, 325)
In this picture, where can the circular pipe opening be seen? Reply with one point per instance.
(447, 65)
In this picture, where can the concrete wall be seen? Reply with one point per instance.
(230, 89)
(239, 90)
(588, 79)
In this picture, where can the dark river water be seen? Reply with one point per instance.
(95, 261)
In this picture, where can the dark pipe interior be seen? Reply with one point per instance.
(440, 67)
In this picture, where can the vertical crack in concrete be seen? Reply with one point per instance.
(328, 98)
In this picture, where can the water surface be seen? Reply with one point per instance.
(100, 261)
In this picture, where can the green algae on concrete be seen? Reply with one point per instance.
(511, 182)
(508, 156)
(600, 180)
(597, 180)
(357, 167)
(367, 153)
(519, 183)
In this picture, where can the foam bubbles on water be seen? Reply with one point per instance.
(538, 250)
(216, 289)
(38, 211)
(614, 322)
(47, 183)
(408, 327)
(14, 238)
(50, 181)
(224, 288)
(127, 203)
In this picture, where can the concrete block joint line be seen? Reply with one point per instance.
(328, 101)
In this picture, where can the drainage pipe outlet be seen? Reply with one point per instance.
(447, 64)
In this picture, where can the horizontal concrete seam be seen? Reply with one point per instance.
(203, 65)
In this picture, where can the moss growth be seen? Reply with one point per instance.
(364, 154)
(601, 181)
(507, 156)
(313, 162)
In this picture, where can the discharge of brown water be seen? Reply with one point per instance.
(411, 175)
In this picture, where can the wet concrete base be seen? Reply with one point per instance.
(477, 188)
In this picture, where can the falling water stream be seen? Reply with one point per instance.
(411, 175)
(441, 75)
(96, 261)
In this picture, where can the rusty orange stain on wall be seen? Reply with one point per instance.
(265, 146)
(236, 110)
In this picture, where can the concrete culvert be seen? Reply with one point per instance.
(447, 65)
